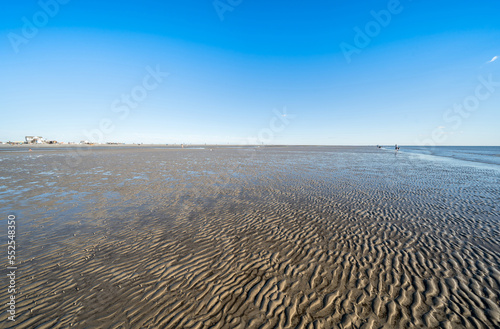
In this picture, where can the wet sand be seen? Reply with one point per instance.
(275, 237)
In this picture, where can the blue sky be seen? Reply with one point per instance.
(267, 72)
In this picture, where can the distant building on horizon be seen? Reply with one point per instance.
(34, 140)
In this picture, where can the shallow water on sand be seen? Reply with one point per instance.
(269, 237)
(477, 154)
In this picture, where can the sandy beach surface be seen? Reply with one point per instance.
(250, 237)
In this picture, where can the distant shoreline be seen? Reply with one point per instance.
(223, 145)
(180, 146)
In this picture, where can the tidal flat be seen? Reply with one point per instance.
(251, 237)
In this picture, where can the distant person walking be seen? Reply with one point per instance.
(396, 147)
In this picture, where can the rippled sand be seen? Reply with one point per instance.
(278, 237)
